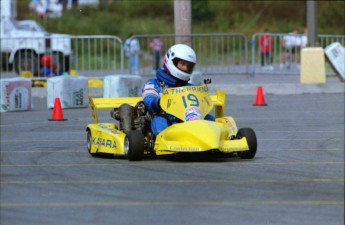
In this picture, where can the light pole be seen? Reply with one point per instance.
(311, 22)
(183, 21)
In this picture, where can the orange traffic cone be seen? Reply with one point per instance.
(260, 99)
(57, 111)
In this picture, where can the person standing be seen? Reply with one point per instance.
(289, 43)
(41, 9)
(156, 46)
(265, 43)
(132, 49)
(304, 38)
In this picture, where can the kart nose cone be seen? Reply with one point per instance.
(193, 136)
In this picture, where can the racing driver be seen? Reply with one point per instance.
(179, 62)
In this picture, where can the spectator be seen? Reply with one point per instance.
(289, 43)
(75, 3)
(33, 4)
(41, 8)
(132, 49)
(63, 3)
(55, 8)
(265, 43)
(156, 46)
(67, 4)
(304, 38)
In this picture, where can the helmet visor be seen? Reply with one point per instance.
(184, 65)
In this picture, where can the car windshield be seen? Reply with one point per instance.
(29, 26)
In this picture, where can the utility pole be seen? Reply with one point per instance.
(183, 21)
(311, 22)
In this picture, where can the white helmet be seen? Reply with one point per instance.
(176, 52)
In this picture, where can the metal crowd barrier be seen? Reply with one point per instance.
(46, 56)
(216, 53)
(98, 56)
(275, 64)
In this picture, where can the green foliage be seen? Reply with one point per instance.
(201, 10)
(122, 17)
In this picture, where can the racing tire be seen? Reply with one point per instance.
(250, 135)
(134, 145)
(89, 143)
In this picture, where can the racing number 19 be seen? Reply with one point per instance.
(192, 100)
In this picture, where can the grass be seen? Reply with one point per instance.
(121, 17)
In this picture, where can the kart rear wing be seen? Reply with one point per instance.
(114, 103)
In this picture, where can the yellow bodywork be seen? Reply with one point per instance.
(190, 136)
(198, 136)
(106, 138)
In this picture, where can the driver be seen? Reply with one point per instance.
(177, 69)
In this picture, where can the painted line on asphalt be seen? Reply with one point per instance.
(58, 150)
(302, 139)
(41, 140)
(316, 203)
(257, 131)
(208, 181)
(261, 139)
(300, 131)
(243, 162)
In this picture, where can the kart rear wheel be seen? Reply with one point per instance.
(250, 135)
(89, 142)
(134, 145)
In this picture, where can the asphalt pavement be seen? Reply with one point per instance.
(47, 176)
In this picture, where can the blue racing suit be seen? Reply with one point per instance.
(151, 95)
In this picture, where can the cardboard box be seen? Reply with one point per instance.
(72, 91)
(15, 94)
(122, 86)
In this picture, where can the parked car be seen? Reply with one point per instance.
(24, 43)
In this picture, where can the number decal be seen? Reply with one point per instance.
(192, 101)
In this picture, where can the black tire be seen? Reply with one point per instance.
(250, 135)
(134, 145)
(89, 142)
(26, 61)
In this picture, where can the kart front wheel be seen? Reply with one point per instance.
(89, 142)
(250, 135)
(134, 145)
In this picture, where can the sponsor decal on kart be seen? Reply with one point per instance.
(192, 113)
(184, 149)
(185, 89)
(104, 142)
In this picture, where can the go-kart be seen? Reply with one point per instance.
(132, 137)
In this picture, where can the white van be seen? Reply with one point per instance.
(23, 43)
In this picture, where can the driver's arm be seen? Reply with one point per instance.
(151, 97)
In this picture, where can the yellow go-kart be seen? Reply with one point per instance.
(132, 137)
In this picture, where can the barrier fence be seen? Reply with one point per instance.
(285, 59)
(98, 56)
(216, 53)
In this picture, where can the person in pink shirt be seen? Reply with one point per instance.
(156, 46)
